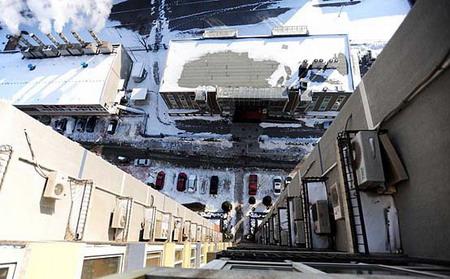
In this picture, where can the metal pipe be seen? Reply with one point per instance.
(64, 38)
(25, 41)
(53, 39)
(97, 40)
(78, 37)
(37, 40)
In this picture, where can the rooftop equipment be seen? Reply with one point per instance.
(31, 51)
(48, 50)
(300, 30)
(89, 48)
(220, 33)
(74, 49)
(103, 46)
(62, 48)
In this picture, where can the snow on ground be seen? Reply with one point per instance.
(265, 188)
(281, 143)
(280, 125)
(228, 189)
(367, 21)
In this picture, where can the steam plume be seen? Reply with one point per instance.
(55, 14)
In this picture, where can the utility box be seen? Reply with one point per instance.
(367, 160)
(321, 217)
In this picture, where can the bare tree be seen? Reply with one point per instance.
(143, 40)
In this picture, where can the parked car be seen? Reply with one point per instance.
(181, 182)
(192, 183)
(112, 126)
(203, 187)
(287, 180)
(142, 162)
(159, 183)
(214, 185)
(90, 124)
(60, 125)
(122, 159)
(252, 184)
(81, 125)
(277, 185)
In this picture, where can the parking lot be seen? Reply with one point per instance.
(233, 185)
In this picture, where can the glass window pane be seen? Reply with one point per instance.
(153, 259)
(3, 272)
(94, 268)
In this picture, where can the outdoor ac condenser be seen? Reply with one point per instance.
(119, 216)
(367, 159)
(321, 217)
(56, 186)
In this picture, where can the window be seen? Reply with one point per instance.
(183, 101)
(7, 271)
(338, 103)
(98, 267)
(326, 100)
(179, 258)
(153, 259)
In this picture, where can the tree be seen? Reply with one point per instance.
(251, 200)
(227, 206)
(267, 201)
(143, 40)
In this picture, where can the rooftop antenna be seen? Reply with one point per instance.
(37, 40)
(96, 39)
(78, 37)
(53, 39)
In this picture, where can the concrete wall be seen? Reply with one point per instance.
(417, 124)
(26, 216)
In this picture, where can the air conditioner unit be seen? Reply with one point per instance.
(148, 224)
(162, 226)
(321, 217)
(119, 219)
(300, 232)
(56, 186)
(177, 230)
(297, 208)
(336, 202)
(367, 160)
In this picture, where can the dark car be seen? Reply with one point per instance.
(181, 182)
(159, 183)
(90, 124)
(112, 126)
(213, 185)
(252, 184)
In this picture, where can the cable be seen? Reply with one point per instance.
(37, 167)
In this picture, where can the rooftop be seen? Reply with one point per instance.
(54, 81)
(260, 62)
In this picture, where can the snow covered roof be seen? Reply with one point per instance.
(259, 62)
(54, 81)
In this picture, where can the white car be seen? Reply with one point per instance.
(192, 183)
(142, 162)
(277, 185)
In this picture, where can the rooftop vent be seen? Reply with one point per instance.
(103, 46)
(300, 30)
(220, 33)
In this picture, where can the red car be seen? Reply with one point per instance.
(181, 182)
(159, 183)
(252, 184)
